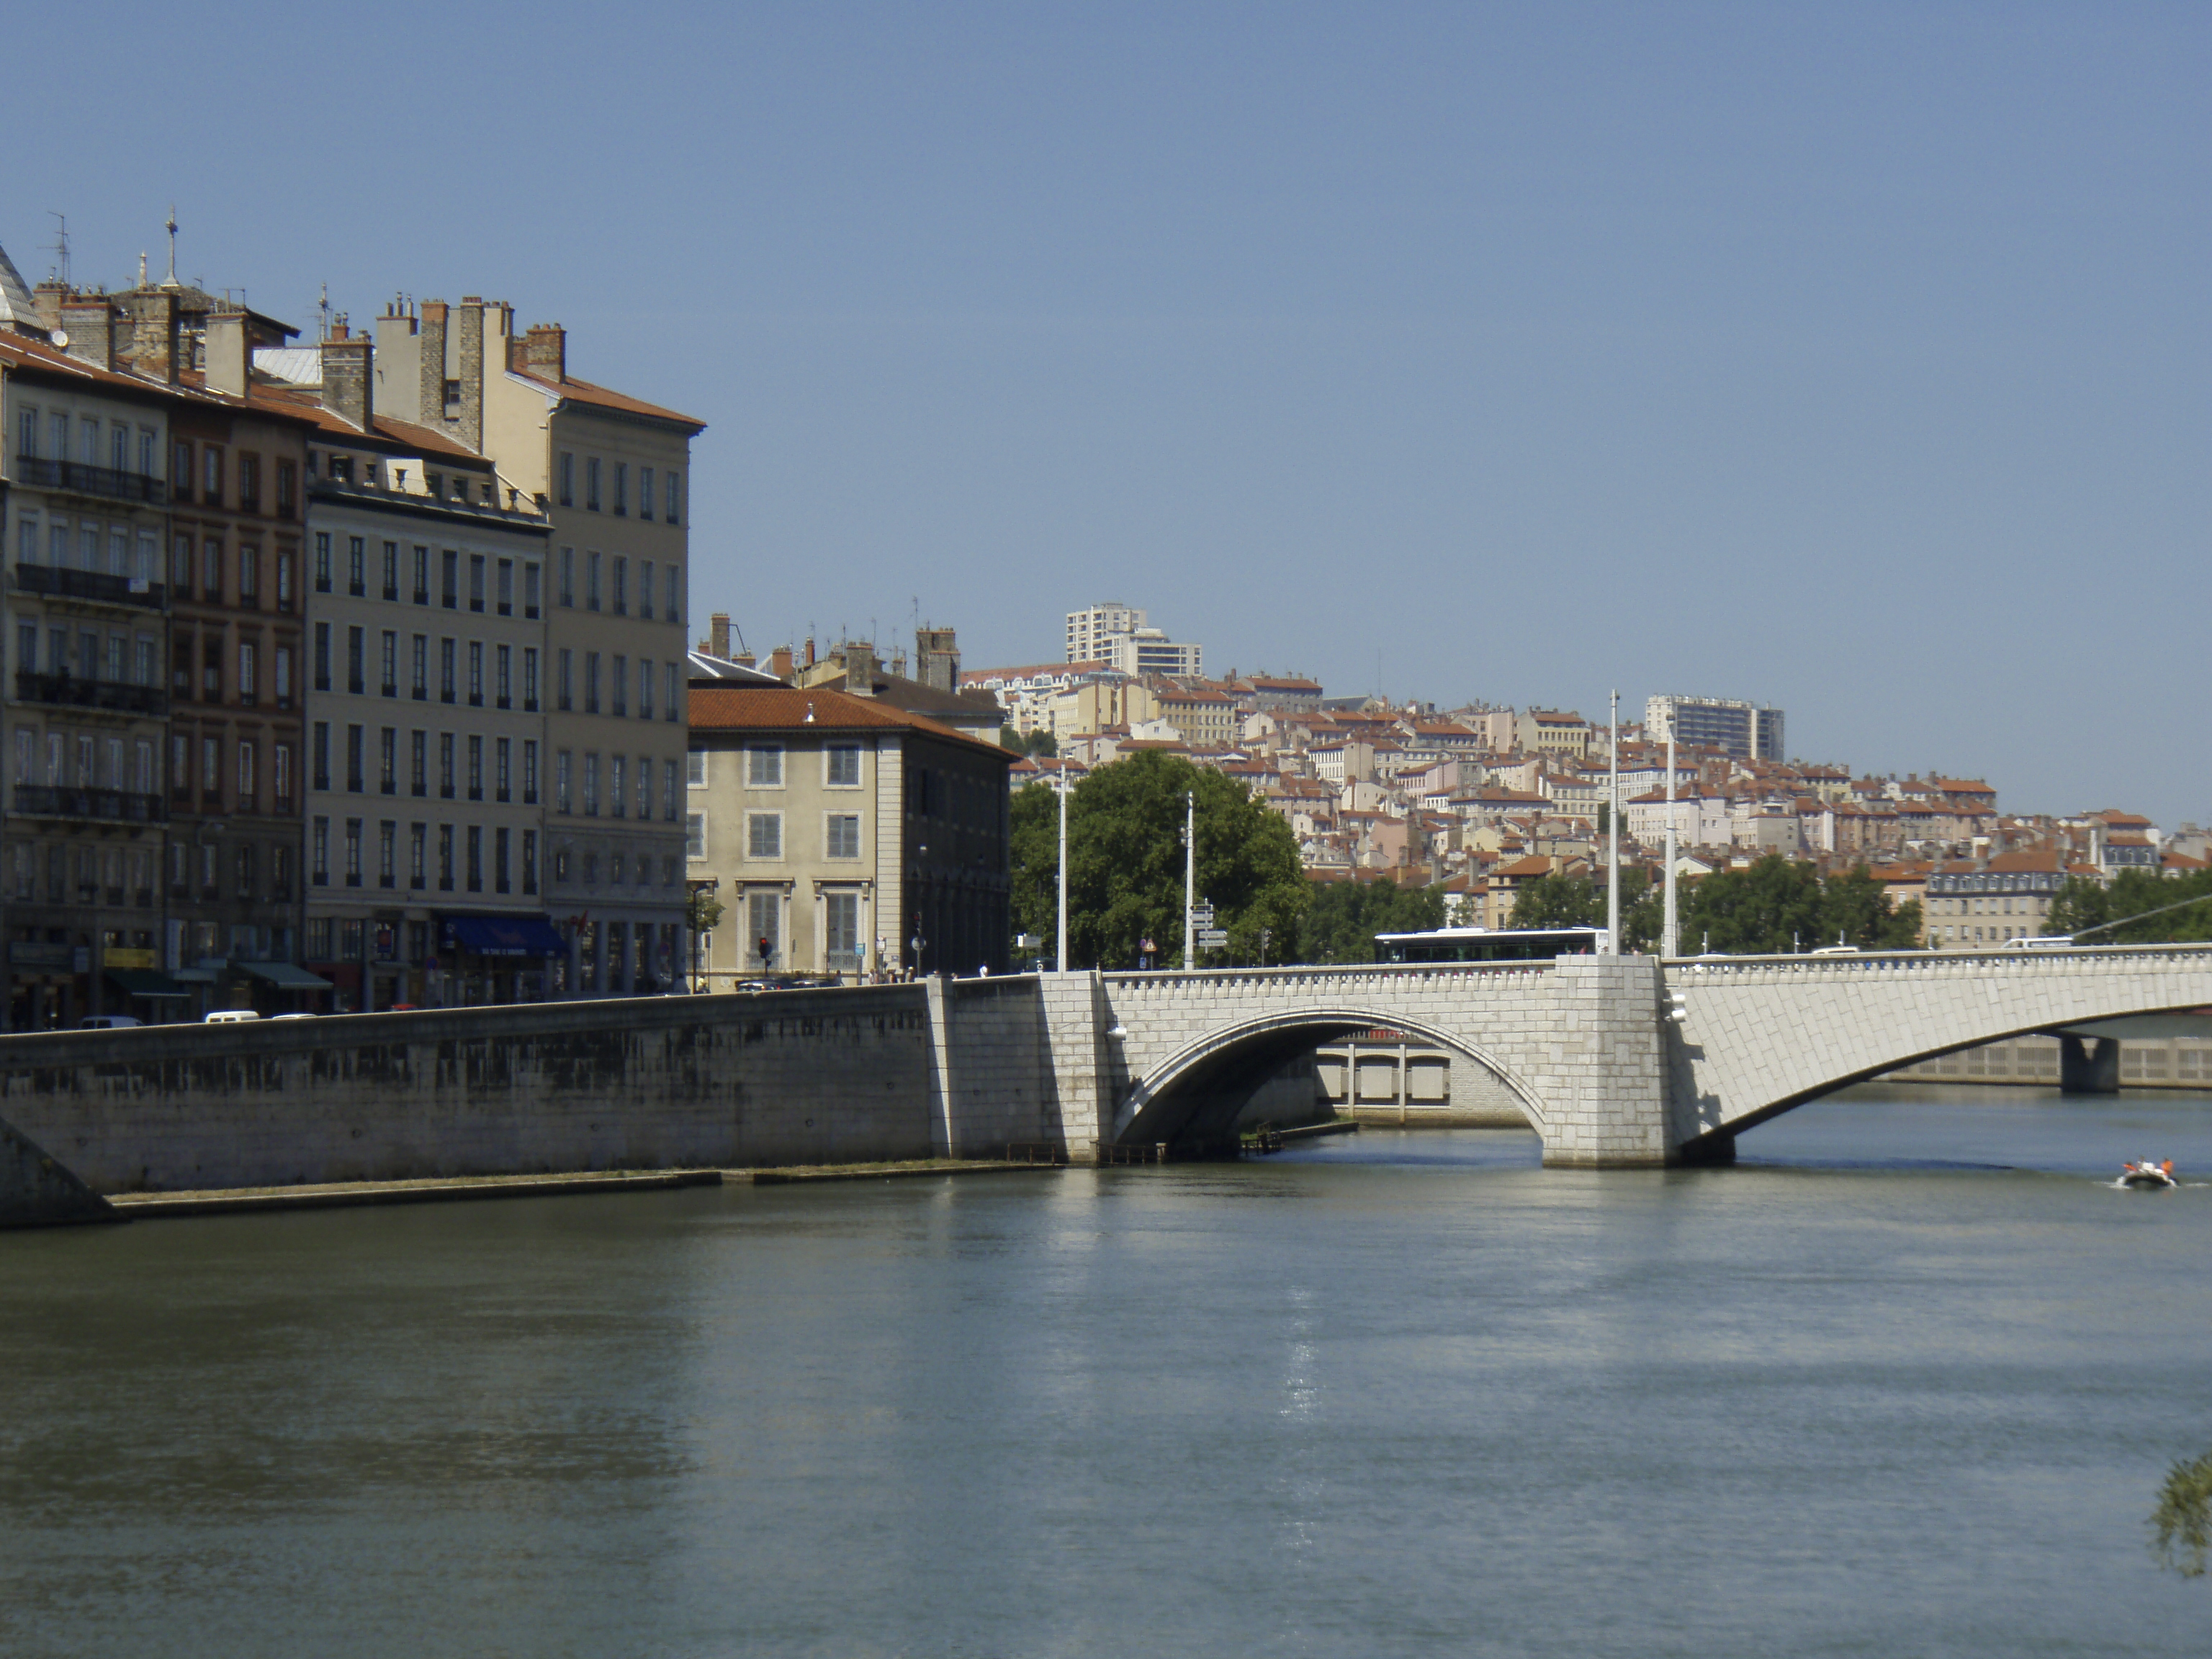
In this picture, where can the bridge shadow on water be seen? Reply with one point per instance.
(1886, 1129)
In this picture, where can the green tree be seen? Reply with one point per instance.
(1779, 904)
(1126, 864)
(1574, 901)
(1010, 738)
(2084, 902)
(1344, 916)
(2181, 1525)
(1042, 742)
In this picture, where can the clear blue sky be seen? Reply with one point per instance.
(1850, 358)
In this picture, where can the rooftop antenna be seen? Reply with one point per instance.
(61, 247)
(323, 309)
(171, 227)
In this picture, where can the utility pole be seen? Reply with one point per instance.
(1061, 935)
(1189, 880)
(1613, 838)
(1670, 927)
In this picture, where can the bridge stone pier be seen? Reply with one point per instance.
(1619, 1062)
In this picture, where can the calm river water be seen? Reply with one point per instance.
(1905, 1382)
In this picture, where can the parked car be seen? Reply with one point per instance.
(105, 1022)
(230, 1016)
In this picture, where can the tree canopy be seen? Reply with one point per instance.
(1577, 901)
(1344, 916)
(2083, 903)
(1124, 860)
(1779, 904)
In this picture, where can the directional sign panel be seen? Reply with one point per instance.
(1213, 938)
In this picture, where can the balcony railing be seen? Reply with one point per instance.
(73, 692)
(62, 582)
(84, 480)
(102, 805)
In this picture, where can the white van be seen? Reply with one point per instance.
(105, 1022)
(230, 1016)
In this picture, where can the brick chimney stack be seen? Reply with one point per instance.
(349, 385)
(88, 321)
(543, 350)
(718, 633)
(779, 662)
(153, 333)
(430, 411)
(469, 369)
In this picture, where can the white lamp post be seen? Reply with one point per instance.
(1670, 933)
(1612, 838)
(1190, 880)
(1061, 934)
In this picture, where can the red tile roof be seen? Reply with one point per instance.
(724, 706)
(583, 392)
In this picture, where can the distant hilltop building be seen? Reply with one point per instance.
(1741, 731)
(1120, 636)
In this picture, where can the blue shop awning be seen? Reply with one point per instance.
(501, 936)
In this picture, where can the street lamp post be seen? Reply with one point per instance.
(700, 889)
(1061, 934)
(1190, 880)
(1670, 931)
(1613, 838)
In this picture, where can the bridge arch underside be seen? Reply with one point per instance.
(1197, 1094)
(1719, 1139)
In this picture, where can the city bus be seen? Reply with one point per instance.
(1490, 945)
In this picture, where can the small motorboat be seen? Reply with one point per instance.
(2147, 1174)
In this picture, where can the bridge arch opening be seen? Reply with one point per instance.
(1197, 1095)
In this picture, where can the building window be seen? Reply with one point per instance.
(355, 742)
(592, 565)
(564, 686)
(530, 860)
(764, 766)
(421, 666)
(841, 766)
(668, 808)
(645, 591)
(592, 483)
(591, 785)
(353, 852)
(322, 656)
(446, 668)
(476, 582)
(418, 764)
(568, 578)
(504, 593)
(695, 836)
(622, 585)
(387, 854)
(249, 577)
(445, 858)
(476, 858)
(645, 688)
(673, 492)
(502, 677)
(388, 664)
(357, 649)
(591, 682)
(356, 559)
(284, 581)
(418, 855)
(445, 766)
(844, 836)
(561, 796)
(764, 835)
(421, 594)
(530, 679)
(530, 585)
(476, 673)
(568, 483)
(449, 587)
(618, 684)
(694, 769)
(321, 757)
(672, 710)
(319, 853)
(392, 571)
(502, 751)
(245, 674)
(388, 770)
(617, 796)
(476, 766)
(498, 846)
(675, 595)
(529, 771)
(645, 493)
(840, 927)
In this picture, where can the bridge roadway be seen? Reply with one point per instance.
(1619, 1062)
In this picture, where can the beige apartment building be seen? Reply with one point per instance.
(843, 835)
(610, 473)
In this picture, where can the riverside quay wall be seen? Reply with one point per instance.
(647, 1083)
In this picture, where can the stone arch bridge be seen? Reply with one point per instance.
(1617, 1062)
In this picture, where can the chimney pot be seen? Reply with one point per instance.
(718, 630)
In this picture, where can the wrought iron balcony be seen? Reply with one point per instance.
(82, 480)
(98, 805)
(63, 583)
(73, 692)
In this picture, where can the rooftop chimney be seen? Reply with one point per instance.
(430, 410)
(718, 633)
(87, 321)
(469, 369)
(809, 650)
(543, 350)
(349, 387)
(779, 662)
(227, 354)
(153, 333)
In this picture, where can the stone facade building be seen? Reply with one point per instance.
(843, 835)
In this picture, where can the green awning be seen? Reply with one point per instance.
(284, 976)
(145, 982)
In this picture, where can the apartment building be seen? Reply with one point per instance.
(843, 835)
(1742, 731)
(610, 473)
(425, 709)
(237, 513)
(1547, 732)
(83, 501)
(1092, 630)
